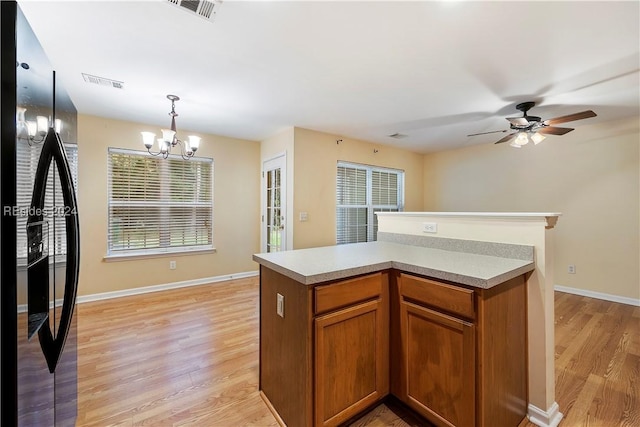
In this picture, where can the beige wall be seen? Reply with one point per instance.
(236, 209)
(316, 156)
(590, 175)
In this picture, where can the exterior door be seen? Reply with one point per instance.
(274, 191)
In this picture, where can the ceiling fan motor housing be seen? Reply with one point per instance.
(529, 121)
(525, 106)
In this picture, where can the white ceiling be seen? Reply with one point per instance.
(435, 71)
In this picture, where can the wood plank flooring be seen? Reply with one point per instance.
(189, 357)
(597, 356)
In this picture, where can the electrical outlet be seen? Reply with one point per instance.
(571, 269)
(172, 265)
(429, 227)
(280, 305)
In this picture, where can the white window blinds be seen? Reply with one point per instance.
(159, 205)
(360, 192)
(27, 157)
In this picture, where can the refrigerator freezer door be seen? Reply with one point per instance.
(52, 343)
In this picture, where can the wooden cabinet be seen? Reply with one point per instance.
(462, 352)
(327, 359)
(351, 352)
(438, 365)
(455, 354)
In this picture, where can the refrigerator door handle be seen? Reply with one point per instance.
(53, 150)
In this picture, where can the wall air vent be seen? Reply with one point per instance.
(397, 135)
(102, 81)
(206, 9)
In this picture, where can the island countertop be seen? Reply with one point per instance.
(323, 264)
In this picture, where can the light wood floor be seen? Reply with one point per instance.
(189, 357)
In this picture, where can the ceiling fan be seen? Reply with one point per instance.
(533, 127)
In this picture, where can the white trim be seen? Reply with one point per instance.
(369, 167)
(164, 287)
(280, 161)
(275, 156)
(148, 154)
(479, 214)
(129, 256)
(549, 418)
(598, 295)
(23, 308)
(550, 218)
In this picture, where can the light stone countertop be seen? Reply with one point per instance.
(317, 265)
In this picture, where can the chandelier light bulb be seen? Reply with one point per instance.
(20, 114)
(168, 135)
(163, 145)
(43, 124)
(194, 143)
(33, 128)
(148, 138)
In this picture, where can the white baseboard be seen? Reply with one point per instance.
(598, 295)
(164, 287)
(549, 418)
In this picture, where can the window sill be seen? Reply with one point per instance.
(60, 262)
(131, 257)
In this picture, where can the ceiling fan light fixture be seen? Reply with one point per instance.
(528, 127)
(537, 138)
(521, 139)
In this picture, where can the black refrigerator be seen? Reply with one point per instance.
(39, 234)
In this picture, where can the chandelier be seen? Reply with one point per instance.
(169, 139)
(33, 132)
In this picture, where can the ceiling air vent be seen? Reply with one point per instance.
(397, 135)
(102, 81)
(206, 9)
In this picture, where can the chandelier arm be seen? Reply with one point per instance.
(152, 153)
(31, 140)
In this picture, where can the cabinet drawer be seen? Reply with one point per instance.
(450, 298)
(341, 294)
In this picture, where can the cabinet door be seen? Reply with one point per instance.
(439, 365)
(351, 358)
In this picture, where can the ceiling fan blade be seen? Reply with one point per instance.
(518, 121)
(571, 117)
(551, 130)
(507, 138)
(485, 133)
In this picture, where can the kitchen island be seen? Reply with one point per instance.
(442, 328)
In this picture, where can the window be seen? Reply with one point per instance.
(360, 192)
(159, 205)
(27, 157)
